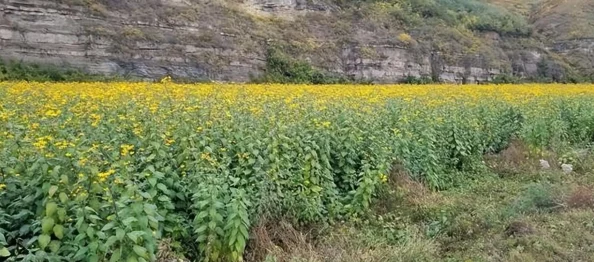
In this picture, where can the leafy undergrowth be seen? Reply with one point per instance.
(530, 214)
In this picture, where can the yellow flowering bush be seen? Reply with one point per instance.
(103, 172)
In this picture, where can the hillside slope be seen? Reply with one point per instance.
(230, 40)
(565, 27)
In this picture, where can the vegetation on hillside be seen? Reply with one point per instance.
(470, 14)
(281, 68)
(11, 70)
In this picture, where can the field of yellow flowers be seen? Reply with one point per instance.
(106, 171)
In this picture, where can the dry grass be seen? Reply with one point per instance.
(580, 197)
(344, 244)
(279, 239)
(522, 7)
(515, 159)
(519, 228)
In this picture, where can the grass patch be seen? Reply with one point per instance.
(21, 71)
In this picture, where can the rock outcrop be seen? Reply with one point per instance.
(188, 45)
(51, 33)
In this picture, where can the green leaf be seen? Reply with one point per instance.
(110, 241)
(93, 246)
(116, 255)
(62, 214)
(152, 181)
(50, 209)
(150, 209)
(212, 225)
(143, 221)
(59, 231)
(31, 241)
(54, 246)
(201, 229)
(90, 232)
(64, 179)
(140, 251)
(201, 238)
(63, 197)
(90, 209)
(44, 240)
(120, 233)
(244, 231)
(47, 224)
(316, 189)
(240, 244)
(163, 198)
(162, 187)
(134, 235)
(145, 194)
(108, 226)
(81, 253)
(4, 252)
(52, 190)
(129, 221)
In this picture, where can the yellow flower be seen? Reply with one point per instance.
(52, 113)
(62, 144)
(383, 178)
(42, 142)
(166, 79)
(2, 186)
(95, 120)
(126, 150)
(83, 161)
(104, 175)
(205, 156)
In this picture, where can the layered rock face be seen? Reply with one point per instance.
(114, 43)
(147, 45)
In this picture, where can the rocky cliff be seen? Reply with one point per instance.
(227, 41)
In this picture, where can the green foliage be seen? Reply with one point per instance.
(537, 197)
(281, 68)
(505, 79)
(17, 71)
(471, 14)
(422, 80)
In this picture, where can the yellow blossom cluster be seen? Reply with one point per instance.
(105, 175)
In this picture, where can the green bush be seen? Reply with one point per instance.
(505, 79)
(20, 71)
(422, 80)
(537, 197)
(280, 68)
